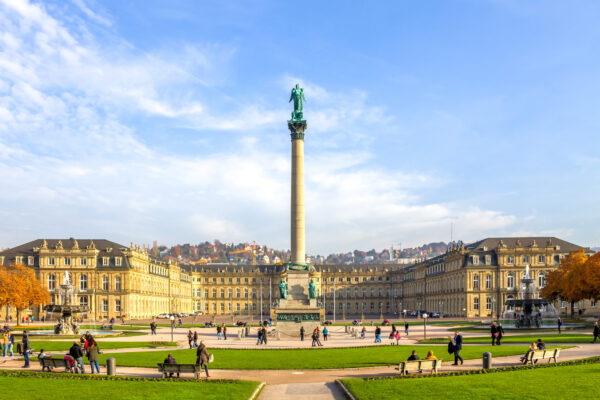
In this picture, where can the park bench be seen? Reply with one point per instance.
(419, 365)
(179, 368)
(48, 363)
(542, 355)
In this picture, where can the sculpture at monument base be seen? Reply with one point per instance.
(283, 289)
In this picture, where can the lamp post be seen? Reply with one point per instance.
(172, 324)
(425, 325)
(493, 306)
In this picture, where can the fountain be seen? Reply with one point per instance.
(528, 311)
(66, 308)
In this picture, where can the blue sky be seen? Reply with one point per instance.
(136, 121)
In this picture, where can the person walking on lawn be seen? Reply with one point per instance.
(190, 337)
(500, 332)
(202, 357)
(406, 328)
(457, 342)
(596, 333)
(494, 333)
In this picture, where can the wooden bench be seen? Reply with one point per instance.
(543, 355)
(49, 363)
(179, 368)
(419, 365)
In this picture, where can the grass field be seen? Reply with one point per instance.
(34, 388)
(307, 358)
(52, 346)
(579, 381)
(552, 338)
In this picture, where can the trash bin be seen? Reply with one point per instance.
(247, 330)
(111, 366)
(487, 360)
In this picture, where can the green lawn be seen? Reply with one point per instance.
(307, 358)
(579, 381)
(552, 338)
(34, 388)
(52, 346)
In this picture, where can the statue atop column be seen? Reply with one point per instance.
(312, 289)
(298, 97)
(283, 289)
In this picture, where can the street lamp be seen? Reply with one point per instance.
(425, 325)
(172, 325)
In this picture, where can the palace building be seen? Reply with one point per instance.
(473, 280)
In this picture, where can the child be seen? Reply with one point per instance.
(397, 337)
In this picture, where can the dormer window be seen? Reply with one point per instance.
(118, 261)
(30, 260)
(105, 261)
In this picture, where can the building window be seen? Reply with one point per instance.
(237, 306)
(488, 282)
(30, 260)
(525, 259)
(118, 261)
(83, 261)
(105, 283)
(475, 260)
(51, 282)
(83, 301)
(563, 304)
(541, 280)
(118, 306)
(510, 281)
(510, 307)
(222, 293)
(488, 304)
(67, 261)
(105, 261)
(83, 282)
(198, 292)
(541, 259)
(105, 305)
(380, 292)
(476, 303)
(488, 260)
(593, 303)
(118, 283)
(476, 281)
(50, 260)
(18, 260)
(238, 293)
(510, 260)
(52, 299)
(372, 292)
(230, 293)
(348, 292)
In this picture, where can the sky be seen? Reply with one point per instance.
(147, 120)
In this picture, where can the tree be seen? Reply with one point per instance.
(569, 280)
(592, 276)
(20, 288)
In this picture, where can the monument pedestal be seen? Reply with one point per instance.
(298, 310)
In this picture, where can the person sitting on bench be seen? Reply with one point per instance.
(170, 360)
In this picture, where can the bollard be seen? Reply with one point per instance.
(487, 360)
(111, 366)
(247, 330)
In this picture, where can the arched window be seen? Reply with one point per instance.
(51, 282)
(83, 282)
(356, 293)
(238, 293)
(475, 281)
(222, 293)
(510, 280)
(541, 280)
(510, 307)
(488, 304)
(348, 292)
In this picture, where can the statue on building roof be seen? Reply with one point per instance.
(44, 244)
(59, 245)
(75, 244)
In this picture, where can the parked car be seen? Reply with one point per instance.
(182, 315)
(163, 316)
(434, 315)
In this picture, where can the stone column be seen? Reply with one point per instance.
(298, 239)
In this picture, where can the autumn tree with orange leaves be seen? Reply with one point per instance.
(577, 278)
(19, 288)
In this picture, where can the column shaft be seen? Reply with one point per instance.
(298, 245)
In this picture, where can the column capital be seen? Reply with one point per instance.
(297, 129)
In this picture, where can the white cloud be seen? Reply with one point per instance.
(73, 164)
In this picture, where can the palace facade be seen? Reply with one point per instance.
(473, 280)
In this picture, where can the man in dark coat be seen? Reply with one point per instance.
(202, 357)
(170, 360)
(413, 356)
(302, 333)
(494, 332)
(457, 342)
(77, 354)
(500, 333)
(26, 349)
(596, 332)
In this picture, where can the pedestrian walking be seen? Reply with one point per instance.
(26, 349)
(406, 328)
(265, 335)
(219, 334)
(500, 331)
(224, 332)
(5, 343)
(77, 354)
(494, 332)
(457, 342)
(378, 335)
(397, 335)
(596, 332)
(325, 333)
(92, 355)
(363, 332)
(190, 337)
(11, 342)
(302, 334)
(195, 338)
(202, 357)
(560, 324)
